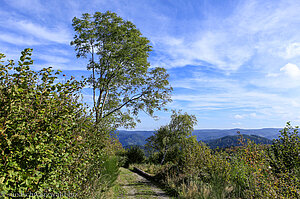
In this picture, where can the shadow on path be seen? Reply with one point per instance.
(136, 186)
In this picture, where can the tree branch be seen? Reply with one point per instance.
(103, 103)
(118, 108)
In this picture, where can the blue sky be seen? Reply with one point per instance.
(232, 63)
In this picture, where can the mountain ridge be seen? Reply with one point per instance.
(234, 140)
(138, 137)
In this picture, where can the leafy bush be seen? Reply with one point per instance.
(48, 143)
(134, 155)
(246, 165)
(284, 152)
(101, 177)
(251, 171)
(199, 173)
(40, 129)
(149, 168)
(168, 139)
(284, 160)
(102, 161)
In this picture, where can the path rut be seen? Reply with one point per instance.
(132, 185)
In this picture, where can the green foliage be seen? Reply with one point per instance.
(200, 166)
(134, 155)
(169, 138)
(149, 168)
(41, 128)
(101, 176)
(121, 75)
(246, 167)
(102, 159)
(248, 171)
(131, 139)
(48, 143)
(229, 141)
(284, 159)
(199, 173)
(284, 152)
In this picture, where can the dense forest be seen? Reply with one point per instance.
(214, 138)
(52, 143)
(234, 140)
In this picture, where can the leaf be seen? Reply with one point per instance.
(2, 179)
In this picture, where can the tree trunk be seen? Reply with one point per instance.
(164, 156)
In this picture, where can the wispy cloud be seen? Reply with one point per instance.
(53, 59)
(56, 34)
(231, 63)
(29, 6)
(18, 40)
(253, 29)
(291, 51)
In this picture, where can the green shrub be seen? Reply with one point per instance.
(102, 161)
(134, 155)
(199, 172)
(249, 171)
(48, 143)
(40, 129)
(101, 177)
(284, 152)
(284, 160)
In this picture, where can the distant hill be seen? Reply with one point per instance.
(233, 140)
(142, 133)
(131, 139)
(138, 137)
(208, 134)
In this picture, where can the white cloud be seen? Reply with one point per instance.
(18, 40)
(287, 77)
(57, 34)
(254, 29)
(243, 116)
(23, 32)
(291, 70)
(253, 115)
(248, 42)
(238, 116)
(60, 66)
(88, 98)
(53, 59)
(27, 5)
(231, 96)
(292, 50)
(216, 48)
(272, 75)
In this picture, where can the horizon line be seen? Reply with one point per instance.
(237, 128)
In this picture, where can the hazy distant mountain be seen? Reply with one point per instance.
(233, 140)
(208, 134)
(131, 139)
(138, 137)
(141, 133)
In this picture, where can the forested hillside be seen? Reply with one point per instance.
(208, 134)
(132, 139)
(229, 137)
(234, 140)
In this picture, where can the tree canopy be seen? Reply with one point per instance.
(170, 136)
(123, 82)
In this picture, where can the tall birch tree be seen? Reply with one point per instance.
(123, 82)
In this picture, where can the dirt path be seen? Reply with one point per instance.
(131, 185)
